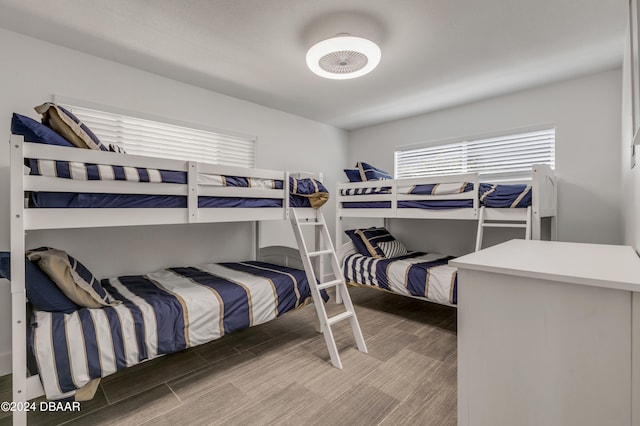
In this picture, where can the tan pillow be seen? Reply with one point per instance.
(72, 277)
(69, 126)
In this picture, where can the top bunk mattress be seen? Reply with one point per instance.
(490, 195)
(303, 192)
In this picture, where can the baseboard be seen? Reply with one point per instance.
(5, 363)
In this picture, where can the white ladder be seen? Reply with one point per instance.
(508, 223)
(324, 247)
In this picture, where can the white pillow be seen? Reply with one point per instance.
(392, 248)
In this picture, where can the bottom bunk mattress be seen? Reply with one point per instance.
(162, 312)
(423, 275)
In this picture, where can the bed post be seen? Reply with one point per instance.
(287, 192)
(476, 198)
(338, 231)
(394, 198)
(554, 218)
(338, 241)
(18, 299)
(535, 202)
(192, 187)
(322, 264)
(256, 238)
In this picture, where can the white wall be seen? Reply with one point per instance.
(586, 112)
(34, 70)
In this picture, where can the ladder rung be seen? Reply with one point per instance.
(505, 225)
(311, 223)
(339, 317)
(319, 253)
(328, 284)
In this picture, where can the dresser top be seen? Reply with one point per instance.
(600, 265)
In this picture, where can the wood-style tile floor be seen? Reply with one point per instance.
(278, 373)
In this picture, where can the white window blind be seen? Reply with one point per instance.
(158, 139)
(507, 157)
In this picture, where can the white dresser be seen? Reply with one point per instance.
(549, 334)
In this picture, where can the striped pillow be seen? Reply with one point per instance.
(372, 238)
(69, 126)
(393, 248)
(72, 277)
(369, 172)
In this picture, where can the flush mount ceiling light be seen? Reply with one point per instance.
(343, 57)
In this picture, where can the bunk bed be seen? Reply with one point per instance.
(427, 276)
(54, 185)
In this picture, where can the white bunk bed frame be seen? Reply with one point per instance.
(543, 203)
(23, 219)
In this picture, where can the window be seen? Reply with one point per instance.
(506, 157)
(160, 139)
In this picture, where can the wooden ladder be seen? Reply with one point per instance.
(324, 247)
(507, 223)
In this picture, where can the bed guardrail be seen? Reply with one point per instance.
(543, 205)
(399, 190)
(195, 186)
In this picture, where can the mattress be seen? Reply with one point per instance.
(411, 204)
(303, 192)
(424, 275)
(490, 195)
(93, 200)
(161, 313)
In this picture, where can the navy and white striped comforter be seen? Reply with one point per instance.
(491, 195)
(85, 171)
(162, 312)
(426, 275)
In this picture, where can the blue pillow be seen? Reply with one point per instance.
(32, 131)
(357, 241)
(43, 294)
(353, 175)
(311, 189)
(368, 172)
(371, 237)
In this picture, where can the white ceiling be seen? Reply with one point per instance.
(435, 53)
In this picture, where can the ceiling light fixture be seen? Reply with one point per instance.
(343, 57)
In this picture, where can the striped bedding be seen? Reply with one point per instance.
(303, 192)
(84, 171)
(427, 189)
(491, 195)
(162, 312)
(424, 275)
